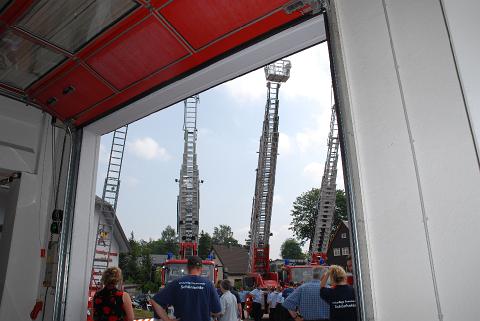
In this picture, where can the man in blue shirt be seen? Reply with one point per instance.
(193, 297)
(258, 299)
(308, 301)
(243, 297)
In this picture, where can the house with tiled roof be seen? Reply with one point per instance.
(231, 261)
(339, 247)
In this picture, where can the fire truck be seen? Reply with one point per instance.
(259, 260)
(188, 202)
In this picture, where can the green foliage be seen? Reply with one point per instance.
(304, 213)
(291, 250)
(223, 235)
(137, 264)
(204, 245)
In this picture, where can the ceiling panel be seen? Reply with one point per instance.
(150, 45)
(74, 92)
(202, 22)
(83, 59)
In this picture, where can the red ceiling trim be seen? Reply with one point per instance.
(136, 17)
(159, 4)
(98, 76)
(193, 63)
(148, 20)
(60, 72)
(174, 32)
(133, 85)
(97, 44)
(251, 23)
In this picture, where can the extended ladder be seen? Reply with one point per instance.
(188, 198)
(326, 201)
(265, 178)
(106, 223)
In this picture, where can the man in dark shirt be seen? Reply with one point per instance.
(193, 297)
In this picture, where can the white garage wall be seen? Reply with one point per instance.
(462, 19)
(416, 169)
(25, 146)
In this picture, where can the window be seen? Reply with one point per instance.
(336, 252)
(22, 62)
(343, 235)
(72, 23)
(345, 251)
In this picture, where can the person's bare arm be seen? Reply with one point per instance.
(239, 305)
(127, 307)
(295, 315)
(161, 311)
(323, 282)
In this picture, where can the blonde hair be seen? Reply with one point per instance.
(337, 274)
(112, 276)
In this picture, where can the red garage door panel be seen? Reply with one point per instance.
(78, 90)
(150, 43)
(202, 22)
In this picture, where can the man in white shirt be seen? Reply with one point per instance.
(274, 298)
(228, 302)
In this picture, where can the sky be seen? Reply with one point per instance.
(229, 123)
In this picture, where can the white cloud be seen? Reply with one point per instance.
(241, 234)
(147, 148)
(314, 171)
(284, 144)
(131, 181)
(203, 131)
(277, 199)
(310, 76)
(248, 88)
(315, 139)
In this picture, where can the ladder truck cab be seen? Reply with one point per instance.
(297, 274)
(188, 202)
(259, 259)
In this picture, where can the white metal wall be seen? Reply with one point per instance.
(416, 175)
(25, 146)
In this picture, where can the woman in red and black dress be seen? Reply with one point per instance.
(111, 304)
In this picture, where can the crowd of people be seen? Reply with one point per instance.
(195, 298)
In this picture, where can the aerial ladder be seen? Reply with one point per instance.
(325, 213)
(326, 201)
(188, 201)
(259, 259)
(102, 255)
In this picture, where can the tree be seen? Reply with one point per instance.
(204, 245)
(223, 235)
(129, 262)
(169, 238)
(291, 250)
(304, 214)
